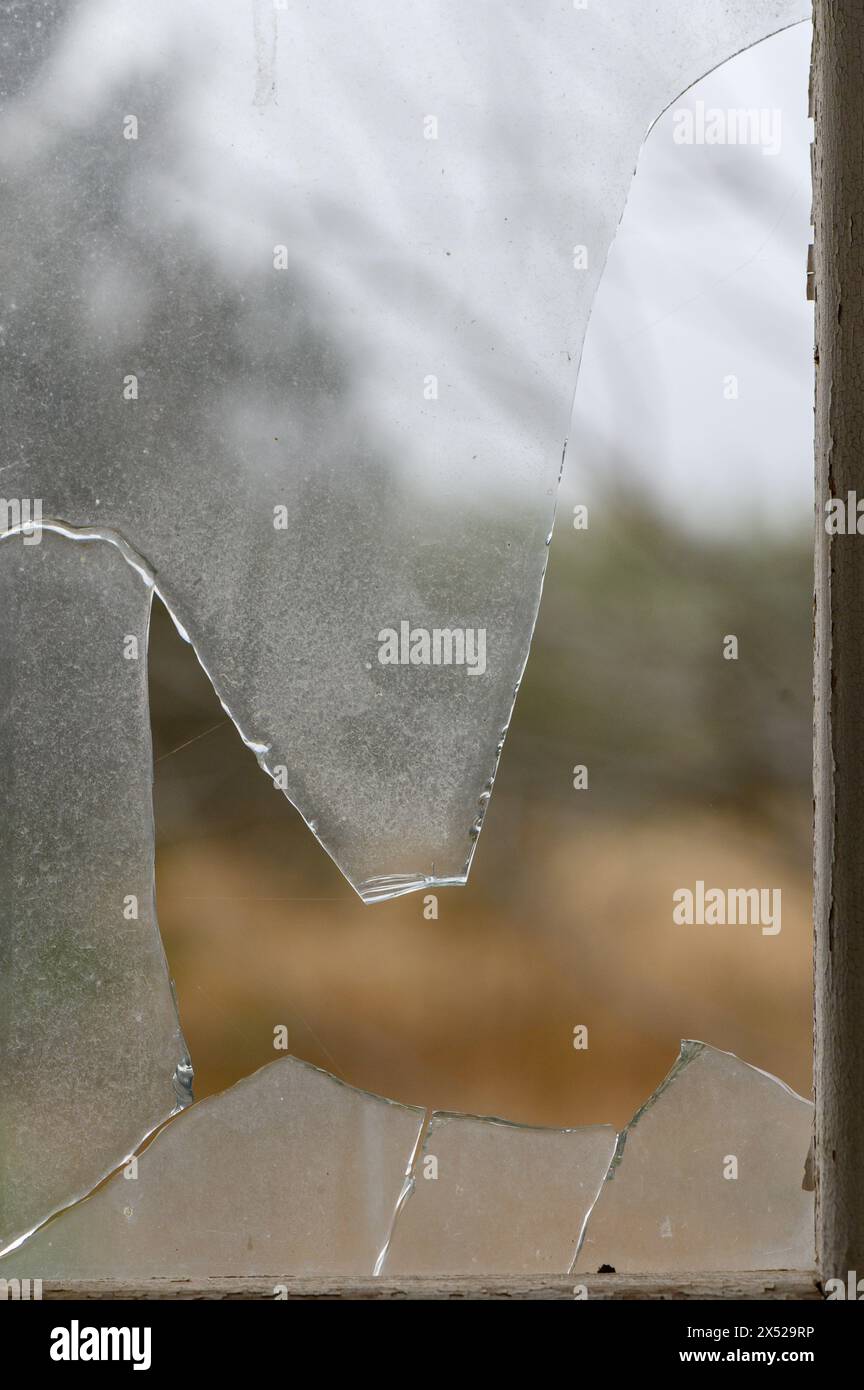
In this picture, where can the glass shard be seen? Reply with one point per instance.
(289, 1172)
(710, 1174)
(296, 309)
(92, 1053)
(489, 1197)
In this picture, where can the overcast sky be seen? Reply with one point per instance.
(706, 280)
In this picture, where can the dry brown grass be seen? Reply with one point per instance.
(475, 1011)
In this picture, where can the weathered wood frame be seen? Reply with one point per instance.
(837, 104)
(772, 1285)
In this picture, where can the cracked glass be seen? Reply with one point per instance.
(297, 315)
(292, 315)
(712, 1172)
(290, 1172)
(490, 1197)
(93, 1057)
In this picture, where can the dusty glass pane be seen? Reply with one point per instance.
(699, 772)
(713, 1174)
(298, 305)
(92, 1053)
(490, 1197)
(294, 316)
(289, 1172)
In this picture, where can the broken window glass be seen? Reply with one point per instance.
(712, 1173)
(489, 1197)
(297, 313)
(93, 1057)
(292, 1172)
(294, 321)
(289, 1172)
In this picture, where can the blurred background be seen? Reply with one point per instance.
(691, 446)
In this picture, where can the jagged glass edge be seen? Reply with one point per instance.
(383, 887)
(183, 1074)
(420, 1148)
(153, 1135)
(689, 1050)
(380, 888)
